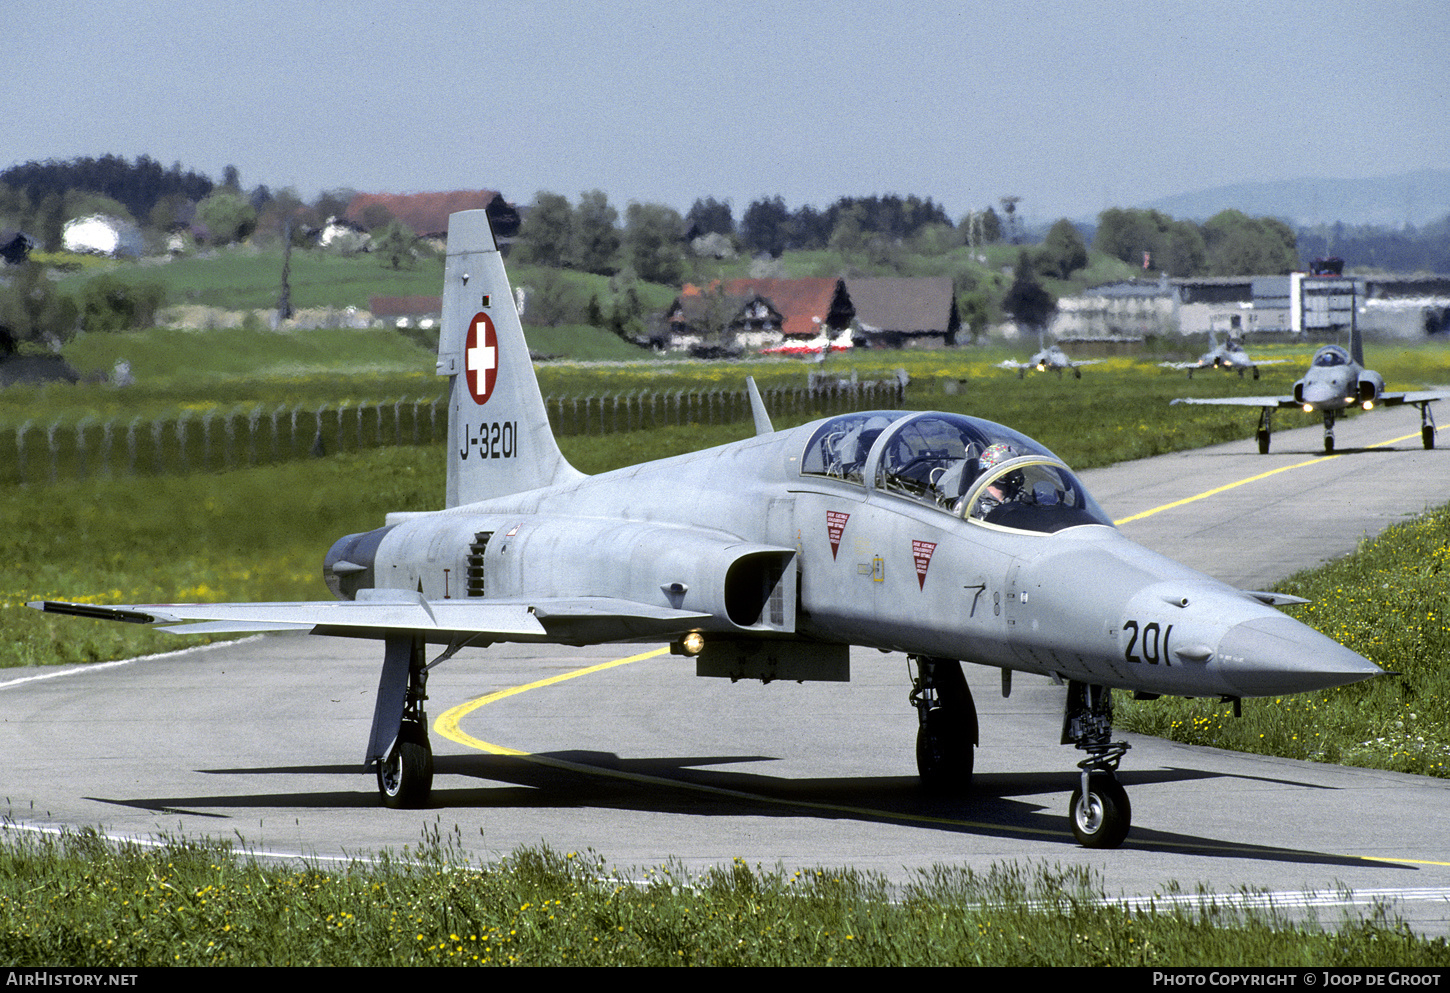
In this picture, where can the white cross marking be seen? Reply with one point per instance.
(481, 358)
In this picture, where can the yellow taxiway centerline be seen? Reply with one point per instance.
(447, 722)
(1252, 479)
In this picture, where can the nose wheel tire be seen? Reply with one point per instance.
(405, 776)
(1101, 818)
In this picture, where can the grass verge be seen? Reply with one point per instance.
(202, 903)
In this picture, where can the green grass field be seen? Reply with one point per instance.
(205, 903)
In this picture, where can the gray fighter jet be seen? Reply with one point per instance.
(1048, 357)
(1230, 355)
(941, 536)
(1336, 380)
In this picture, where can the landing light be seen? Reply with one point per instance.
(1369, 405)
(1308, 408)
(691, 644)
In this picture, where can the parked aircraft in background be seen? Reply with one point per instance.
(1050, 357)
(1336, 380)
(1229, 355)
(941, 536)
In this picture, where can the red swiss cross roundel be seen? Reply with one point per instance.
(480, 357)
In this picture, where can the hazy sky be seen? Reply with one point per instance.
(1072, 106)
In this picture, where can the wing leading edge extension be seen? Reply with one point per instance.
(385, 613)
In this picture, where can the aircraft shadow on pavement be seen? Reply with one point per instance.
(1309, 450)
(583, 780)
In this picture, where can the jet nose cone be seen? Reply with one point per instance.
(1324, 392)
(1267, 656)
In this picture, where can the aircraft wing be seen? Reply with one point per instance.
(1280, 402)
(1184, 365)
(1422, 396)
(1009, 364)
(387, 612)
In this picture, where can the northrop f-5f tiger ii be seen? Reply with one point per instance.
(945, 537)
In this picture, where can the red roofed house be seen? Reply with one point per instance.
(762, 313)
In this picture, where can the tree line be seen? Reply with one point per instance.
(655, 241)
(40, 198)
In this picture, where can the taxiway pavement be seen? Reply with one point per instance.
(643, 763)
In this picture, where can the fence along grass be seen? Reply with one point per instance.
(217, 439)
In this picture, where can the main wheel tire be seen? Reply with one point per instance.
(405, 775)
(1263, 443)
(1427, 435)
(1102, 818)
(944, 753)
(1329, 444)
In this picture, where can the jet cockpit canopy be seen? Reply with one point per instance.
(973, 468)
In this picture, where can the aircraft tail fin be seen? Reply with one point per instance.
(1356, 343)
(499, 439)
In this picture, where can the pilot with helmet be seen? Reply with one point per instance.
(1003, 489)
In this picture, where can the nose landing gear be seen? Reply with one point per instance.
(1099, 809)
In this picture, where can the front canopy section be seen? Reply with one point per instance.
(972, 468)
(1330, 356)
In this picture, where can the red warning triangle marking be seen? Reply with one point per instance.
(835, 524)
(921, 552)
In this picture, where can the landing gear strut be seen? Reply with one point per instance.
(398, 746)
(1265, 426)
(1329, 432)
(1099, 809)
(1427, 426)
(948, 730)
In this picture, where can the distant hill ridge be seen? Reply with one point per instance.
(1416, 198)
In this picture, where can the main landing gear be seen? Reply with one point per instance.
(398, 747)
(948, 730)
(1427, 425)
(1099, 809)
(1266, 425)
